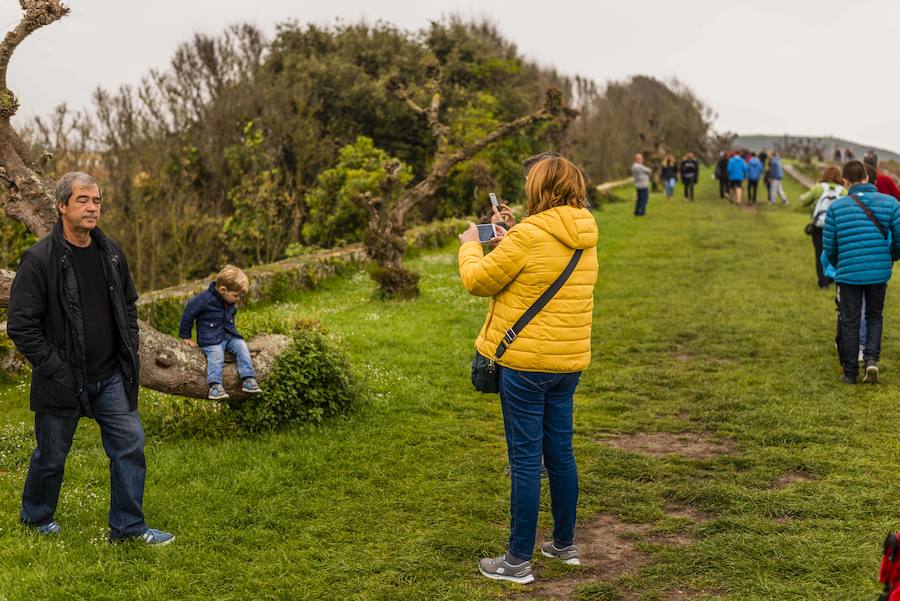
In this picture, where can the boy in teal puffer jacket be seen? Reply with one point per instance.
(862, 249)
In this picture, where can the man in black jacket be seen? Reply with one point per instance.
(72, 314)
(690, 174)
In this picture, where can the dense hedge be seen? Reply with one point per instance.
(311, 382)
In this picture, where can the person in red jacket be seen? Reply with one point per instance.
(884, 183)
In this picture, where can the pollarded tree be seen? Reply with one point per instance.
(26, 195)
(384, 237)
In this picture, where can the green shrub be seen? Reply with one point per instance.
(311, 381)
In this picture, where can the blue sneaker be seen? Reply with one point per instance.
(250, 386)
(51, 528)
(217, 392)
(157, 538)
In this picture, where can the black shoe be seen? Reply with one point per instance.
(848, 379)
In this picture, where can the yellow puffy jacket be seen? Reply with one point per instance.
(524, 264)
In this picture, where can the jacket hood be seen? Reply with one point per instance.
(576, 228)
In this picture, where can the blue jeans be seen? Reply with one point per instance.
(643, 195)
(863, 329)
(537, 420)
(123, 441)
(670, 187)
(215, 359)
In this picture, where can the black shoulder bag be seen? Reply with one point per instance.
(485, 375)
(869, 214)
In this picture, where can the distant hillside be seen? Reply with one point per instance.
(758, 142)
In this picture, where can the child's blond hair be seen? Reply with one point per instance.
(233, 278)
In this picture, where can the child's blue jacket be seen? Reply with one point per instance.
(214, 318)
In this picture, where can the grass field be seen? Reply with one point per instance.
(708, 327)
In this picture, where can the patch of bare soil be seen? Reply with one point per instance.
(683, 356)
(607, 548)
(691, 445)
(788, 478)
(687, 512)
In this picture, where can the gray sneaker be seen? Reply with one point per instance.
(568, 555)
(217, 392)
(871, 376)
(497, 568)
(250, 385)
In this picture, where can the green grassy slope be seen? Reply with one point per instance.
(707, 320)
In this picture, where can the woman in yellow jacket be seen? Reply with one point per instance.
(540, 369)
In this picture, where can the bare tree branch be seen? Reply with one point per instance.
(37, 14)
(444, 162)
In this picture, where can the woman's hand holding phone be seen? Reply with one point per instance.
(470, 235)
(504, 215)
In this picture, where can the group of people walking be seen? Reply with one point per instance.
(733, 168)
(855, 230)
(688, 170)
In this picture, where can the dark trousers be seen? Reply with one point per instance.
(123, 441)
(850, 299)
(643, 195)
(824, 282)
(752, 185)
(689, 190)
(537, 420)
(723, 187)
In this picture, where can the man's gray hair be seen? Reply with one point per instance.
(65, 183)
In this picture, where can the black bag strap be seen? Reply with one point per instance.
(539, 304)
(869, 214)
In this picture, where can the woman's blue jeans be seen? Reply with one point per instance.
(537, 419)
(670, 187)
(123, 440)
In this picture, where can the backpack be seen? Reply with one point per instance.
(829, 195)
(890, 569)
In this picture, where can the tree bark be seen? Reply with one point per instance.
(170, 366)
(167, 364)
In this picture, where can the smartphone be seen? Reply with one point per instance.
(486, 231)
(494, 202)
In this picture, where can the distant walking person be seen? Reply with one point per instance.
(737, 173)
(823, 194)
(754, 171)
(669, 174)
(72, 314)
(641, 174)
(776, 174)
(884, 183)
(690, 175)
(861, 239)
(722, 173)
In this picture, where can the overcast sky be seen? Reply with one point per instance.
(806, 67)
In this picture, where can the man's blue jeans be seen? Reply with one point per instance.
(537, 419)
(123, 440)
(215, 359)
(640, 206)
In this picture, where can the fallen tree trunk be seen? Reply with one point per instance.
(175, 368)
(10, 360)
